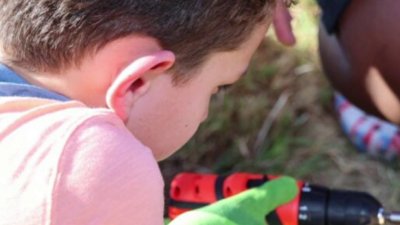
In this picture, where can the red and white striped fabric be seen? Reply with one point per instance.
(368, 133)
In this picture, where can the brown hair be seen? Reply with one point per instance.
(51, 35)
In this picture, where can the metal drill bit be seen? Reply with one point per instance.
(392, 217)
(386, 217)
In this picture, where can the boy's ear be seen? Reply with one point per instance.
(135, 80)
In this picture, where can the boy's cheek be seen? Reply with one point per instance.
(165, 122)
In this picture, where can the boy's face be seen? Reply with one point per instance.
(168, 115)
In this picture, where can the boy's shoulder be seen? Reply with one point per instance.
(61, 126)
(60, 122)
(24, 113)
(95, 167)
(123, 182)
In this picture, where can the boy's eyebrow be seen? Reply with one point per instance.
(225, 87)
(228, 86)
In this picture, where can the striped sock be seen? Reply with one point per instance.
(368, 133)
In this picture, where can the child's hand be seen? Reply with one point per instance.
(247, 208)
(283, 28)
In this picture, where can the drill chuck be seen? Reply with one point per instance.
(322, 206)
(314, 205)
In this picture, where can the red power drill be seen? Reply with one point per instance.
(314, 205)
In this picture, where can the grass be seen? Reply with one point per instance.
(301, 138)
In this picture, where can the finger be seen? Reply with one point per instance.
(282, 26)
(278, 192)
(264, 199)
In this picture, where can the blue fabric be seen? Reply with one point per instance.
(11, 84)
(332, 10)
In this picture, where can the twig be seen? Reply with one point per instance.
(269, 121)
(243, 148)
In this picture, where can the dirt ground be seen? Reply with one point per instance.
(279, 120)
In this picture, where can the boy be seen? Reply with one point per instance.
(94, 92)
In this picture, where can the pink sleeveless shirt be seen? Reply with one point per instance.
(62, 163)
